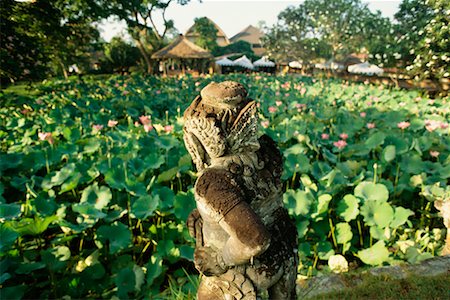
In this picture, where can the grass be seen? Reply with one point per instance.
(384, 287)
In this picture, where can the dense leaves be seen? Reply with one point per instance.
(96, 184)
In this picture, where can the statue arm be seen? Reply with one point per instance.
(248, 236)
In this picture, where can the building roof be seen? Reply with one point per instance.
(181, 47)
(192, 33)
(250, 34)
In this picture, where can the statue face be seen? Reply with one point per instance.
(224, 123)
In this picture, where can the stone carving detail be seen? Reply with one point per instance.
(245, 241)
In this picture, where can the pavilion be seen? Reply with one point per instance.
(182, 52)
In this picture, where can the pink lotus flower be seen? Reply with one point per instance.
(369, 103)
(117, 85)
(265, 123)
(112, 123)
(125, 93)
(278, 103)
(370, 125)
(197, 83)
(401, 104)
(39, 101)
(362, 114)
(434, 153)
(303, 91)
(432, 125)
(136, 124)
(277, 94)
(168, 128)
(286, 95)
(145, 120)
(125, 85)
(431, 102)
(444, 125)
(148, 127)
(340, 144)
(96, 128)
(272, 109)
(312, 113)
(46, 136)
(403, 125)
(325, 136)
(25, 111)
(343, 136)
(158, 92)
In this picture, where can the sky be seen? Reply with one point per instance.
(232, 16)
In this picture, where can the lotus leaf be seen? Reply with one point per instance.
(375, 255)
(369, 191)
(348, 208)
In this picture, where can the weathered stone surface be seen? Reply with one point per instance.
(245, 241)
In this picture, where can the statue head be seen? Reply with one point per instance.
(221, 121)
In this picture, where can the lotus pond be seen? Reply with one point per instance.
(96, 184)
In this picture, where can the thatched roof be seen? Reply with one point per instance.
(250, 34)
(181, 47)
(192, 33)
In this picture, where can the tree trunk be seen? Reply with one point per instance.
(145, 55)
(63, 68)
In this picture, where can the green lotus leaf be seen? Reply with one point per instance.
(99, 197)
(126, 282)
(154, 269)
(375, 140)
(302, 228)
(324, 250)
(14, 292)
(401, 146)
(117, 234)
(348, 208)
(375, 255)
(9, 211)
(377, 213)
(343, 233)
(183, 204)
(35, 226)
(369, 191)
(389, 153)
(8, 237)
(379, 233)
(401, 215)
(144, 206)
(322, 206)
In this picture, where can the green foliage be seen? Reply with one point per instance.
(239, 47)
(207, 33)
(41, 36)
(121, 55)
(97, 212)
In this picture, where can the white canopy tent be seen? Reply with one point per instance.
(295, 64)
(330, 65)
(244, 62)
(365, 68)
(225, 62)
(264, 62)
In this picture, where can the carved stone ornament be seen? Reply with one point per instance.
(246, 243)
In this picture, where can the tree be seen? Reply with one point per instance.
(291, 38)
(239, 47)
(425, 47)
(139, 16)
(43, 35)
(121, 55)
(326, 29)
(207, 33)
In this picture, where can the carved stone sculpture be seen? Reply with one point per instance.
(245, 241)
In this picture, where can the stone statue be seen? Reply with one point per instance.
(246, 243)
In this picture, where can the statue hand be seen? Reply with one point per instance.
(209, 262)
(195, 226)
